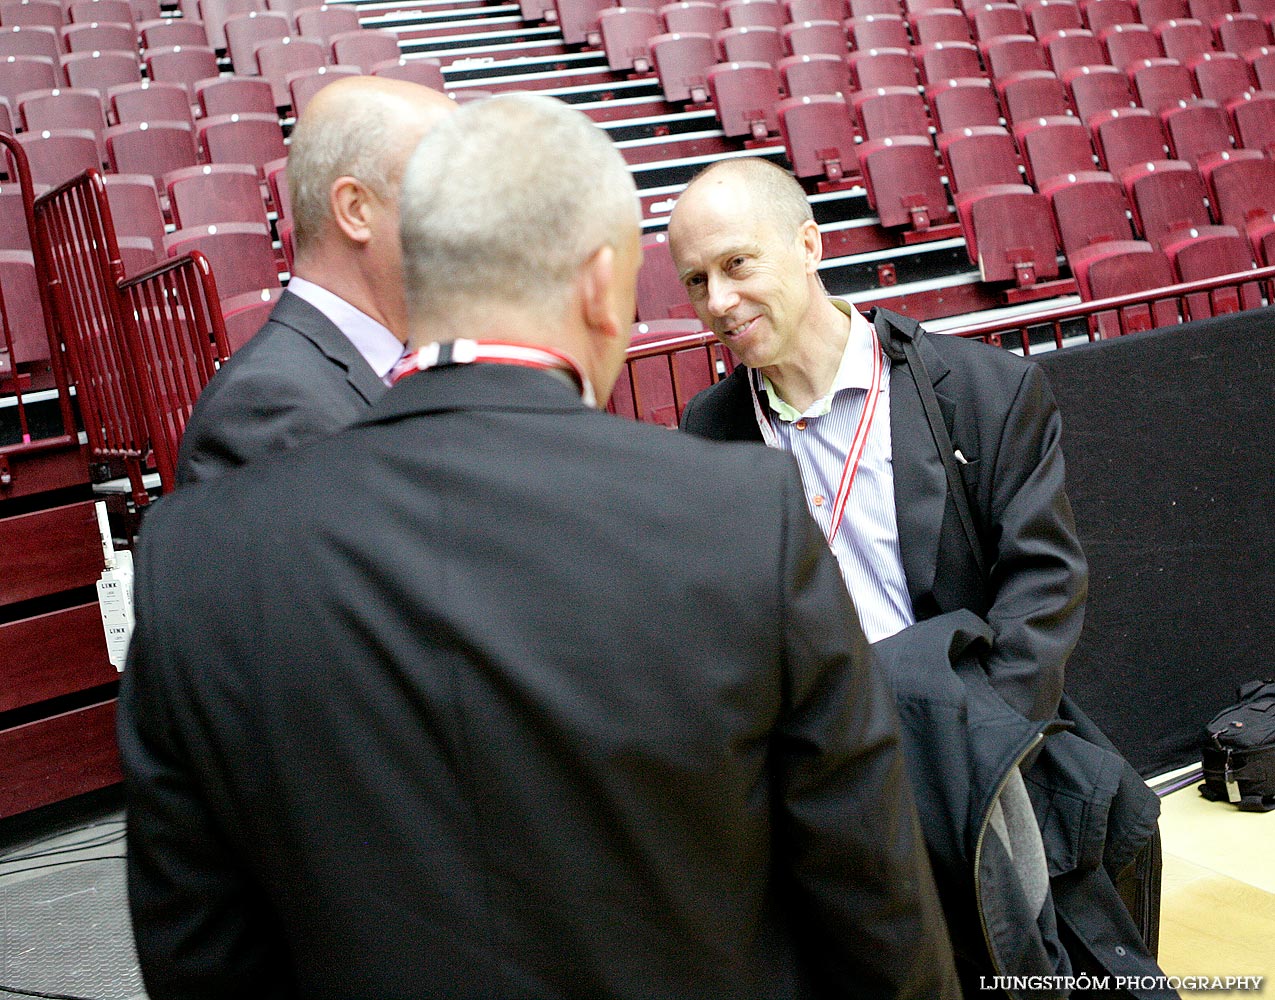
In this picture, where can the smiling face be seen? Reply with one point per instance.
(751, 274)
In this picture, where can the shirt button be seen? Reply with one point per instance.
(818, 499)
(800, 424)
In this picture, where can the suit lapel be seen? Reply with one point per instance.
(297, 314)
(920, 482)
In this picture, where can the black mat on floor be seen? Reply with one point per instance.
(1170, 445)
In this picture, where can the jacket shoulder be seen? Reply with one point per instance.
(723, 412)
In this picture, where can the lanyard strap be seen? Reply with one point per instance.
(493, 352)
(857, 443)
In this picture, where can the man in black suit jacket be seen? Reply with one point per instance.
(746, 244)
(325, 353)
(494, 695)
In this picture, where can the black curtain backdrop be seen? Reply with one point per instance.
(1169, 439)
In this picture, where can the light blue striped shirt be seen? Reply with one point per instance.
(867, 543)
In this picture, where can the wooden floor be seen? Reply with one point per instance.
(1217, 914)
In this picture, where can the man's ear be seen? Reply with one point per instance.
(597, 293)
(352, 206)
(811, 244)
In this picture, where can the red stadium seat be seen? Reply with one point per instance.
(1196, 130)
(244, 315)
(326, 20)
(1089, 207)
(20, 293)
(95, 36)
(31, 40)
(1161, 83)
(426, 72)
(682, 63)
(1099, 14)
(890, 111)
(1167, 197)
(1183, 39)
(135, 210)
(963, 102)
(660, 292)
(945, 24)
(811, 37)
(1006, 54)
(754, 14)
(275, 60)
(1253, 120)
(229, 95)
(148, 101)
(745, 95)
(819, 136)
(1240, 33)
(873, 68)
(1209, 252)
(1009, 233)
(213, 193)
(692, 17)
(577, 19)
(255, 139)
(167, 31)
(878, 31)
(65, 108)
(750, 44)
(948, 61)
(1127, 44)
(1124, 137)
(818, 73)
(240, 253)
(57, 155)
(244, 32)
(1221, 76)
(992, 19)
(1152, 12)
(30, 13)
(901, 176)
(1097, 89)
(184, 64)
(215, 13)
(1048, 16)
(304, 84)
(19, 74)
(1054, 145)
(1241, 187)
(1072, 48)
(626, 37)
(820, 10)
(152, 148)
(366, 47)
(1123, 267)
(979, 156)
(1031, 94)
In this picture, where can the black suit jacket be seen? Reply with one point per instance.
(1001, 415)
(299, 378)
(492, 695)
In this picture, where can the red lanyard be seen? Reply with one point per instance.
(857, 443)
(492, 352)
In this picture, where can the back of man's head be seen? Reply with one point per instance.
(362, 127)
(502, 205)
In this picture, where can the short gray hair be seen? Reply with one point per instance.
(503, 201)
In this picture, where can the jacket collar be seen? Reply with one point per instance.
(298, 315)
(477, 387)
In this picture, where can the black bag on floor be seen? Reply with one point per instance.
(1239, 750)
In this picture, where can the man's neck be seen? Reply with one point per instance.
(809, 375)
(343, 283)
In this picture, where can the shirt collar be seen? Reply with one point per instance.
(379, 348)
(854, 372)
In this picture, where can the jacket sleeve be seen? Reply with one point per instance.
(203, 929)
(1038, 577)
(258, 413)
(848, 839)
